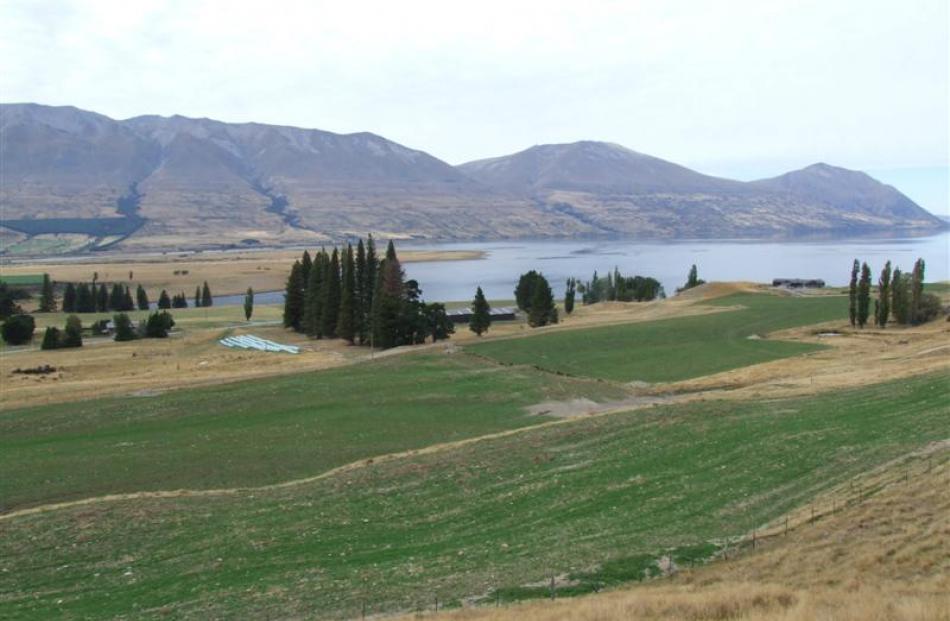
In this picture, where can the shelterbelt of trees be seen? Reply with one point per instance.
(354, 295)
(900, 296)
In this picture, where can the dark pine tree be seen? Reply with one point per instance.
(305, 264)
(543, 311)
(128, 304)
(899, 297)
(141, 298)
(115, 297)
(124, 330)
(72, 335)
(359, 281)
(51, 338)
(916, 291)
(853, 293)
(69, 299)
(864, 295)
(206, 298)
(313, 298)
(387, 309)
(164, 302)
(481, 314)
(248, 304)
(346, 320)
(85, 300)
(102, 299)
(331, 295)
(293, 298)
(197, 296)
(370, 282)
(570, 293)
(883, 296)
(524, 291)
(440, 327)
(47, 298)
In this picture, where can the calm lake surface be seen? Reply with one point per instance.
(667, 261)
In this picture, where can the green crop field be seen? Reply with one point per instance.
(211, 317)
(496, 514)
(674, 349)
(267, 430)
(22, 279)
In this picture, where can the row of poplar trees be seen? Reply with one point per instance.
(354, 295)
(900, 296)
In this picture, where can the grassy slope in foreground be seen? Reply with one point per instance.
(500, 512)
(674, 349)
(265, 431)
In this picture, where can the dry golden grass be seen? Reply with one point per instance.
(103, 367)
(227, 273)
(884, 558)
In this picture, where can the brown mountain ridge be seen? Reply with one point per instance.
(176, 182)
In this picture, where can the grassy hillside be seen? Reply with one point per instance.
(674, 349)
(264, 431)
(497, 513)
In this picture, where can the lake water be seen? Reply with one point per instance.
(667, 261)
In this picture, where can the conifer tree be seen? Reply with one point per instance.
(543, 311)
(570, 292)
(128, 303)
(164, 302)
(102, 299)
(387, 301)
(313, 299)
(248, 304)
(293, 298)
(524, 291)
(85, 302)
(883, 307)
(115, 297)
(439, 326)
(853, 293)
(331, 295)
(197, 296)
(69, 298)
(306, 263)
(206, 299)
(47, 298)
(124, 330)
(361, 315)
(916, 290)
(72, 335)
(141, 298)
(481, 314)
(864, 295)
(51, 338)
(370, 282)
(346, 320)
(899, 297)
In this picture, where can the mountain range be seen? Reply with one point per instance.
(153, 182)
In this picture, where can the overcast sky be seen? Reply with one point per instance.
(738, 88)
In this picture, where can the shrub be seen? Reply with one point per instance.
(51, 338)
(124, 330)
(158, 325)
(18, 329)
(72, 336)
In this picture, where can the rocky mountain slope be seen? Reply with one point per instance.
(156, 182)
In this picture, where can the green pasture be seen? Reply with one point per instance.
(674, 349)
(595, 498)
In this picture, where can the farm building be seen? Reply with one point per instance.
(799, 283)
(464, 315)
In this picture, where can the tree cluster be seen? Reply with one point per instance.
(97, 297)
(534, 296)
(156, 326)
(203, 296)
(617, 287)
(692, 280)
(900, 296)
(70, 336)
(18, 329)
(354, 295)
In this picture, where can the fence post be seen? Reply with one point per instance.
(786, 525)
(552, 586)
(753, 539)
